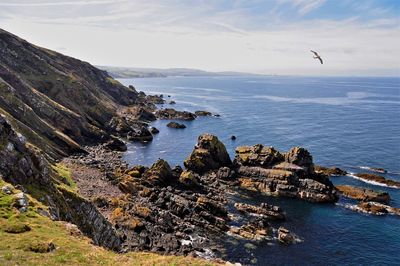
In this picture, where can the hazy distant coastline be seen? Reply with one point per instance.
(133, 72)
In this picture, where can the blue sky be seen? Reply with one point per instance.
(273, 37)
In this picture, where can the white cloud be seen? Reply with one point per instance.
(163, 34)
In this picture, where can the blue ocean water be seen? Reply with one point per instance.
(344, 122)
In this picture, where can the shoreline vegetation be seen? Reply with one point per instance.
(68, 197)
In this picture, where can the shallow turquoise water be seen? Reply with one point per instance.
(344, 122)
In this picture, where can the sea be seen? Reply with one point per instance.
(349, 122)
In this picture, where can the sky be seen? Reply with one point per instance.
(354, 37)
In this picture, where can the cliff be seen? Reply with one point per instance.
(56, 101)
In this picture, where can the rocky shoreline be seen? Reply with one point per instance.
(171, 210)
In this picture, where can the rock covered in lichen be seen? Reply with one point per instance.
(208, 154)
(291, 174)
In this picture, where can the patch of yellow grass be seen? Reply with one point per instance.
(71, 249)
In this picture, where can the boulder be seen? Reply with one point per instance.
(172, 102)
(285, 236)
(256, 229)
(203, 113)
(115, 144)
(189, 179)
(154, 130)
(159, 173)
(208, 154)
(141, 134)
(175, 125)
(170, 113)
(300, 157)
(155, 99)
(21, 201)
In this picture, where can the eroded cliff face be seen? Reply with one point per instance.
(24, 167)
(56, 101)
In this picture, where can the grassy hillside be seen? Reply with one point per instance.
(28, 239)
(56, 101)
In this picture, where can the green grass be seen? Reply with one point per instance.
(71, 249)
(64, 177)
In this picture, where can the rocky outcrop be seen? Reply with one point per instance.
(285, 236)
(378, 179)
(203, 113)
(176, 125)
(330, 171)
(156, 99)
(141, 134)
(169, 113)
(258, 155)
(208, 154)
(256, 229)
(264, 210)
(159, 173)
(374, 208)
(363, 194)
(266, 170)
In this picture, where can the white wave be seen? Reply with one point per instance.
(353, 99)
(369, 181)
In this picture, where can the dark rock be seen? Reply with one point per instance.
(175, 125)
(208, 154)
(115, 144)
(212, 206)
(285, 236)
(172, 102)
(142, 134)
(170, 113)
(329, 171)
(233, 137)
(156, 99)
(203, 113)
(265, 210)
(154, 130)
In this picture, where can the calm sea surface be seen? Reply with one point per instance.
(344, 122)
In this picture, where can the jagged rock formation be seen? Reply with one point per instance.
(292, 174)
(209, 154)
(55, 101)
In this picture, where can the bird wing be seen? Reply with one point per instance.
(316, 54)
(320, 59)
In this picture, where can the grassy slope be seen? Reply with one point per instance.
(70, 249)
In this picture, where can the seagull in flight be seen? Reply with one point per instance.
(317, 56)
